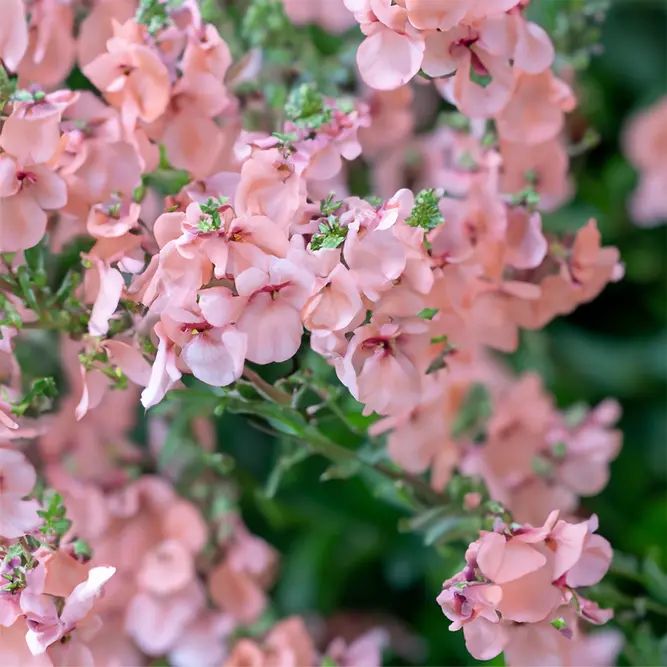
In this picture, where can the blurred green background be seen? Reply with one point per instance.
(340, 547)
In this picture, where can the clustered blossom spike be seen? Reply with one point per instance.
(518, 591)
(207, 236)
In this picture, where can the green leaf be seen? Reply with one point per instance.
(330, 235)
(153, 14)
(428, 313)
(211, 208)
(329, 206)
(426, 211)
(342, 470)
(39, 397)
(656, 579)
(306, 107)
(285, 463)
(82, 549)
(450, 528)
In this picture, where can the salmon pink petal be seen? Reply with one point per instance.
(9, 184)
(164, 373)
(156, 623)
(63, 573)
(81, 600)
(273, 327)
(111, 286)
(13, 34)
(50, 191)
(183, 522)
(236, 593)
(167, 568)
(484, 640)
(530, 599)
(17, 475)
(593, 563)
(569, 540)
(94, 386)
(192, 143)
(17, 516)
(527, 245)
(534, 49)
(22, 222)
(501, 560)
(219, 306)
(133, 364)
(388, 60)
(216, 356)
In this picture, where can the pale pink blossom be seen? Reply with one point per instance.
(13, 34)
(31, 133)
(332, 15)
(131, 76)
(383, 357)
(17, 479)
(26, 194)
(275, 292)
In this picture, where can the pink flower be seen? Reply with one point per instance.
(167, 568)
(384, 366)
(594, 560)
(535, 112)
(471, 52)
(113, 219)
(335, 304)
(462, 604)
(45, 624)
(13, 34)
(155, 623)
(17, 479)
(26, 193)
(275, 292)
(131, 76)
(51, 44)
(104, 286)
(32, 132)
(546, 162)
(97, 27)
(271, 185)
(332, 15)
(392, 52)
(237, 593)
(216, 359)
(164, 373)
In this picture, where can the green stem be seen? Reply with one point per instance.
(337, 453)
(265, 389)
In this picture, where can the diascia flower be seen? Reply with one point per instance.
(27, 192)
(17, 479)
(518, 576)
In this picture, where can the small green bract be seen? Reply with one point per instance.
(426, 211)
(211, 209)
(306, 108)
(330, 234)
(154, 15)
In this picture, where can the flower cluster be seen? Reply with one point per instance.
(49, 594)
(518, 592)
(165, 225)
